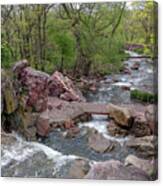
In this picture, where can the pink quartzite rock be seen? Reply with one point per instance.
(61, 86)
(19, 66)
(34, 85)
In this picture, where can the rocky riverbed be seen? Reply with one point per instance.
(119, 145)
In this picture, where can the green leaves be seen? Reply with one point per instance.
(6, 57)
(79, 37)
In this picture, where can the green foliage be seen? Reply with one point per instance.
(143, 96)
(141, 26)
(6, 57)
(79, 38)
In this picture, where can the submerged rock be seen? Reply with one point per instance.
(97, 142)
(115, 170)
(71, 132)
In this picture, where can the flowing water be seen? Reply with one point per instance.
(52, 156)
(111, 88)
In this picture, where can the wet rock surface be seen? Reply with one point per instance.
(33, 159)
(76, 169)
(80, 145)
(97, 142)
(114, 170)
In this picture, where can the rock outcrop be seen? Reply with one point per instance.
(14, 115)
(33, 85)
(62, 87)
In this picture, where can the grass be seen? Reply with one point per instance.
(143, 96)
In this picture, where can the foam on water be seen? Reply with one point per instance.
(122, 84)
(101, 127)
(131, 53)
(22, 150)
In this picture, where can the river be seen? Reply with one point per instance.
(53, 156)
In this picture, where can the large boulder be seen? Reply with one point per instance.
(61, 86)
(148, 166)
(115, 170)
(65, 114)
(122, 115)
(33, 85)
